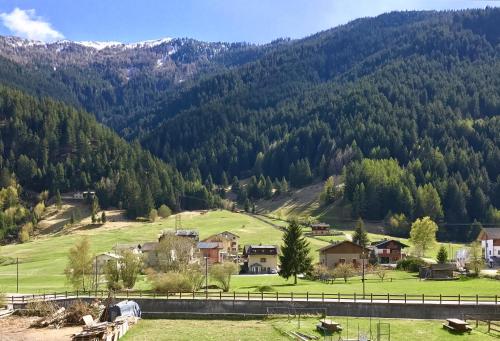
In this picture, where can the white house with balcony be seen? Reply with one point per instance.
(490, 241)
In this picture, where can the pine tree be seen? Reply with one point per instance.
(224, 181)
(442, 256)
(360, 236)
(235, 185)
(58, 200)
(103, 217)
(294, 258)
(268, 190)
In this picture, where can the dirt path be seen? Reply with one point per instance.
(15, 328)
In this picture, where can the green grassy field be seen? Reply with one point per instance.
(276, 328)
(42, 261)
(402, 282)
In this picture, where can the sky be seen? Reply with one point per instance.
(256, 21)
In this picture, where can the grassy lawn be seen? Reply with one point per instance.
(42, 261)
(203, 330)
(276, 328)
(402, 282)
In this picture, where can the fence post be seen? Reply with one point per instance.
(477, 299)
(76, 293)
(405, 297)
(262, 296)
(127, 294)
(423, 298)
(66, 294)
(23, 298)
(338, 295)
(307, 296)
(291, 295)
(496, 299)
(388, 298)
(55, 295)
(458, 299)
(234, 296)
(440, 299)
(248, 295)
(180, 295)
(277, 296)
(371, 297)
(193, 294)
(43, 296)
(354, 297)
(140, 293)
(323, 297)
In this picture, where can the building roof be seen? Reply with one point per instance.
(489, 233)
(149, 246)
(110, 255)
(334, 245)
(186, 233)
(223, 235)
(320, 225)
(382, 243)
(260, 250)
(207, 245)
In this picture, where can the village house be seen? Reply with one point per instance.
(102, 259)
(320, 229)
(261, 259)
(490, 242)
(191, 234)
(438, 271)
(212, 252)
(344, 252)
(388, 251)
(148, 247)
(228, 242)
(83, 195)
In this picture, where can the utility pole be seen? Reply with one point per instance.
(96, 275)
(206, 275)
(17, 275)
(363, 273)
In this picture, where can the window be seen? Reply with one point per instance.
(342, 261)
(262, 260)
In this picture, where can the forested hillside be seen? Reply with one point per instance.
(47, 145)
(420, 88)
(406, 105)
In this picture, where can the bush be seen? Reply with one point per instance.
(264, 288)
(164, 211)
(40, 308)
(410, 264)
(153, 215)
(77, 310)
(171, 282)
(2, 299)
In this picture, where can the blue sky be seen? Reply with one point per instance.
(256, 21)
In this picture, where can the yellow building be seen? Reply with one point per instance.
(261, 259)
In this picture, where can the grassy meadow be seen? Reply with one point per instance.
(276, 329)
(42, 260)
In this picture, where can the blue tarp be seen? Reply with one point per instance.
(124, 308)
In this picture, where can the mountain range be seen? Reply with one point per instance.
(416, 93)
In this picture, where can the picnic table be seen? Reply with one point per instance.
(328, 326)
(457, 325)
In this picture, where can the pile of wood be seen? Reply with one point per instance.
(56, 319)
(302, 336)
(108, 331)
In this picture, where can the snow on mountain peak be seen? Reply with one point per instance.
(99, 45)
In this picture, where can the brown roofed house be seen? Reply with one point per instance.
(342, 252)
(490, 241)
(261, 258)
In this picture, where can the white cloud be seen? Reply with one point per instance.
(26, 24)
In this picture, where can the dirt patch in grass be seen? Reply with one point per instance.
(15, 328)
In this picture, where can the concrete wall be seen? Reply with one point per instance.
(156, 308)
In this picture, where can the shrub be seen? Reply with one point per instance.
(221, 273)
(2, 299)
(344, 271)
(171, 282)
(410, 264)
(153, 215)
(40, 308)
(264, 288)
(164, 211)
(78, 309)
